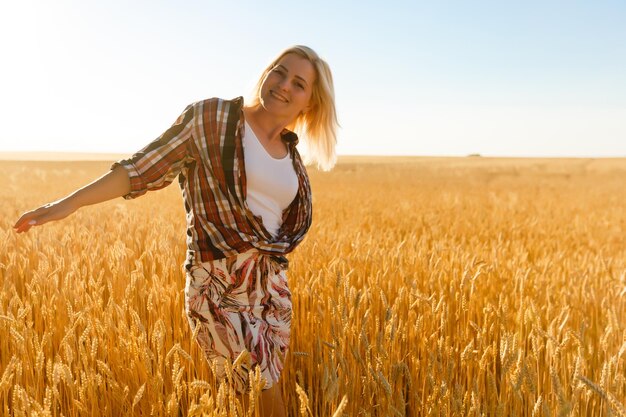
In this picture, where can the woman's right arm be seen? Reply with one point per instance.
(114, 183)
(152, 168)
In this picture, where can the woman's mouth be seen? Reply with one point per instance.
(278, 96)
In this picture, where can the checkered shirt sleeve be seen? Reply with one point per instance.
(157, 164)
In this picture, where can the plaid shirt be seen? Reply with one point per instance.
(204, 149)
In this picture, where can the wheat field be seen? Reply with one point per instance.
(426, 287)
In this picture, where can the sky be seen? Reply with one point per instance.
(436, 78)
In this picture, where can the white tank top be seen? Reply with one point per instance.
(272, 183)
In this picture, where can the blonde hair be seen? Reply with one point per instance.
(319, 124)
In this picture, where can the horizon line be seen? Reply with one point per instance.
(112, 156)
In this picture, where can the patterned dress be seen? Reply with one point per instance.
(241, 302)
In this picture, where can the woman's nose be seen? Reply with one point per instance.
(284, 84)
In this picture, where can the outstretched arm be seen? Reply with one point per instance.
(152, 168)
(113, 184)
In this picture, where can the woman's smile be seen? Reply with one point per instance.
(274, 94)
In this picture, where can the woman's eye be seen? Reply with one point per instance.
(300, 86)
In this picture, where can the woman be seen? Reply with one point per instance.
(248, 203)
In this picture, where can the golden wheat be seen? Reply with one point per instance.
(427, 286)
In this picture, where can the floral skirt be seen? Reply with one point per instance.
(241, 302)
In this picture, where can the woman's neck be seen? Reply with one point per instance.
(264, 123)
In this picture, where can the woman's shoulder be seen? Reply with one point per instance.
(216, 118)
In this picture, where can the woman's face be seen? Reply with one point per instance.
(287, 88)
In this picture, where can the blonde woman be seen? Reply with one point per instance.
(248, 203)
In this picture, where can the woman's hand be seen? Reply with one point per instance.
(49, 212)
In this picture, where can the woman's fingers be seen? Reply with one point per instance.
(34, 218)
(26, 222)
(25, 226)
(24, 219)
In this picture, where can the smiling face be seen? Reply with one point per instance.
(287, 87)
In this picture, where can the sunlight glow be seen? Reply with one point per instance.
(110, 77)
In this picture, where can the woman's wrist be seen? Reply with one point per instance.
(71, 202)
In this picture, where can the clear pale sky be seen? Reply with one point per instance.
(499, 78)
